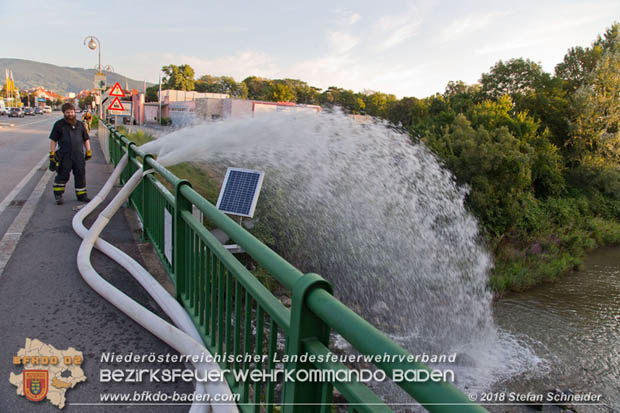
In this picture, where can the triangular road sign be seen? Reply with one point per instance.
(116, 105)
(117, 90)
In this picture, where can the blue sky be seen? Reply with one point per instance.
(408, 48)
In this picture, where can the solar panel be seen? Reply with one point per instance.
(240, 191)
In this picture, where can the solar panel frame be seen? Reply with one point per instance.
(230, 179)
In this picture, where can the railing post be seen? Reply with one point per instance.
(305, 324)
(111, 144)
(131, 156)
(180, 239)
(146, 214)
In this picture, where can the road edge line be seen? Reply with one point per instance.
(14, 233)
(7, 200)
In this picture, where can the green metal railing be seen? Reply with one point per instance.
(237, 315)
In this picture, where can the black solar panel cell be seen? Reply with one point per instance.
(238, 194)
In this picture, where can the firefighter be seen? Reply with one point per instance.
(68, 140)
(86, 118)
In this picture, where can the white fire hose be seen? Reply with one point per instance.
(185, 339)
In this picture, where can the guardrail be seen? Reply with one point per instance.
(237, 315)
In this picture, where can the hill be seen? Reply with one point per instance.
(28, 74)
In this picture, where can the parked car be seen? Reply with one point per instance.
(38, 111)
(47, 109)
(28, 111)
(4, 111)
(16, 113)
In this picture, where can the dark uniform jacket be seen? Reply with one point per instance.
(70, 138)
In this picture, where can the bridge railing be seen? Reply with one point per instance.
(238, 316)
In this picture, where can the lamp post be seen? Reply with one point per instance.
(94, 43)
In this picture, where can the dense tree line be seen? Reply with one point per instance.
(540, 152)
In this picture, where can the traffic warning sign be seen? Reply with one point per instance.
(119, 108)
(117, 90)
(116, 105)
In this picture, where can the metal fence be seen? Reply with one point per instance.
(237, 315)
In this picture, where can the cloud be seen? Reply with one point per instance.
(354, 18)
(392, 30)
(505, 46)
(238, 65)
(342, 42)
(550, 27)
(345, 17)
(468, 24)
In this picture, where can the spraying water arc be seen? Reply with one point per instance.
(376, 215)
(185, 338)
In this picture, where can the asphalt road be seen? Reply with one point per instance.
(42, 295)
(22, 146)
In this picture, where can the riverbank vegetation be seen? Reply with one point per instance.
(539, 152)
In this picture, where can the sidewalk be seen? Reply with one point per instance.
(43, 296)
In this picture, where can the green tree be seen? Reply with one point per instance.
(493, 163)
(377, 103)
(178, 77)
(259, 88)
(86, 102)
(597, 104)
(348, 100)
(306, 94)
(331, 96)
(28, 99)
(409, 112)
(152, 94)
(515, 77)
(222, 84)
(579, 62)
(281, 92)
(462, 97)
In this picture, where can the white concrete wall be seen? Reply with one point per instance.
(150, 113)
(209, 108)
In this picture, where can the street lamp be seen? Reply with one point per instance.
(94, 43)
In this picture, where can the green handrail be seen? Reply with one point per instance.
(231, 307)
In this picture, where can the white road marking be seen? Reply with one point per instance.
(31, 123)
(13, 234)
(7, 200)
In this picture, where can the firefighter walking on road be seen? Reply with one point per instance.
(68, 140)
(87, 118)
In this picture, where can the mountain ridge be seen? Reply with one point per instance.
(29, 74)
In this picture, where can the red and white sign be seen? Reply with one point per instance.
(116, 105)
(117, 90)
(119, 108)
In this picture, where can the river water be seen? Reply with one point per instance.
(574, 325)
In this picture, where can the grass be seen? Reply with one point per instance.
(521, 267)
